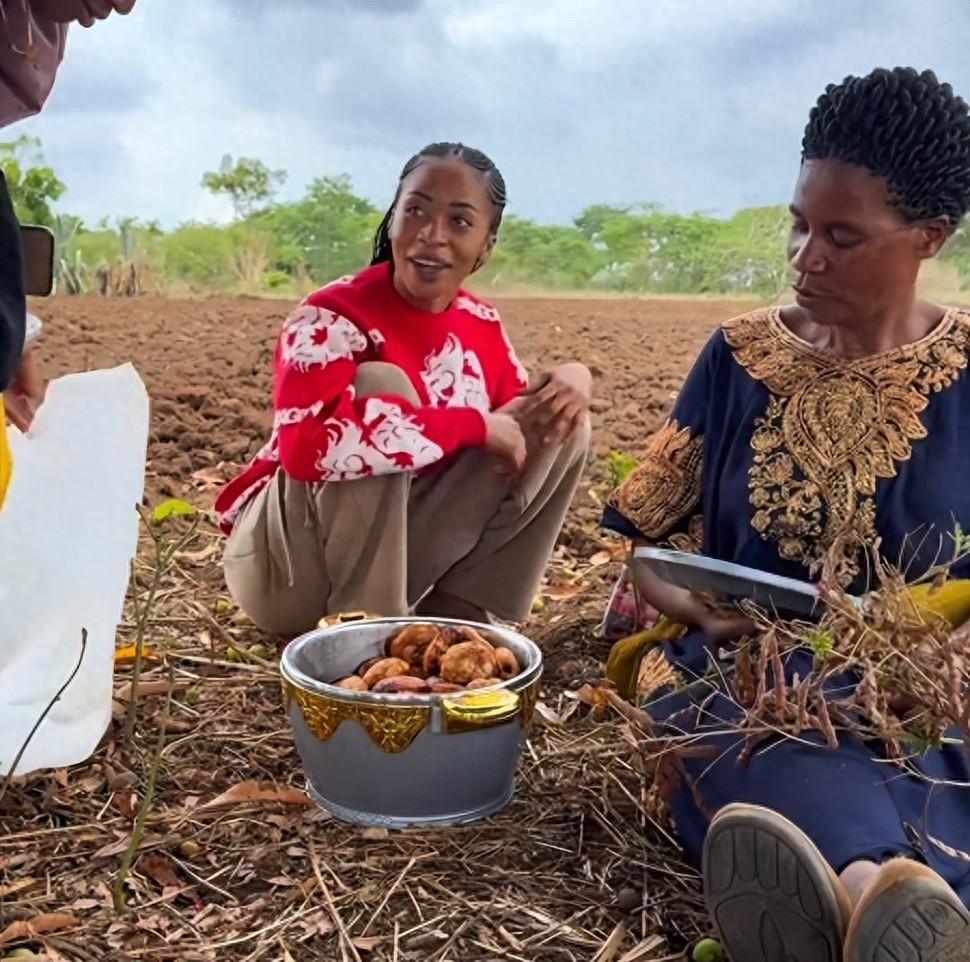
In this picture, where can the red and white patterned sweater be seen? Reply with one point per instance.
(460, 363)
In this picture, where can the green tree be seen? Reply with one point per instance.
(754, 250)
(957, 254)
(200, 256)
(32, 184)
(550, 256)
(247, 183)
(326, 235)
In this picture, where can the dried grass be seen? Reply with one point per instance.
(576, 869)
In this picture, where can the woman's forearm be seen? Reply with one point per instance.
(678, 604)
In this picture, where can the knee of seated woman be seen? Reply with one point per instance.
(379, 377)
(577, 443)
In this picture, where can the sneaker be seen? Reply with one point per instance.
(770, 893)
(908, 914)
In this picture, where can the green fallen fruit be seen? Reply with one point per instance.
(708, 950)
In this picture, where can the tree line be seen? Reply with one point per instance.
(290, 247)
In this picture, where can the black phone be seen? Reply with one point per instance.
(38, 250)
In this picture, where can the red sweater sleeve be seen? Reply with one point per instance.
(514, 380)
(327, 433)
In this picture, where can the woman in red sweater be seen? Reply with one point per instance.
(411, 465)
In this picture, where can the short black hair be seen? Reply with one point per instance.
(905, 126)
(474, 158)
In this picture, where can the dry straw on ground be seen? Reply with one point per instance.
(235, 864)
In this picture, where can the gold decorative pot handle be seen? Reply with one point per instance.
(345, 618)
(483, 709)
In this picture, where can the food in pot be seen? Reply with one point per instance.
(434, 659)
(467, 660)
(508, 664)
(385, 668)
(402, 685)
(431, 661)
(410, 644)
(365, 666)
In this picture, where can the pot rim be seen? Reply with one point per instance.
(294, 676)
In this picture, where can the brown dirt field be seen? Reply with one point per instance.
(576, 865)
(207, 365)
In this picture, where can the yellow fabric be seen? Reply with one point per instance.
(951, 600)
(6, 462)
(623, 663)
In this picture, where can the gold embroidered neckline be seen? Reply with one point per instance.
(950, 316)
(833, 428)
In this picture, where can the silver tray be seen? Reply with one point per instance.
(731, 581)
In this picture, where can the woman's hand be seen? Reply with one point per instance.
(555, 405)
(25, 394)
(504, 438)
(721, 625)
(84, 12)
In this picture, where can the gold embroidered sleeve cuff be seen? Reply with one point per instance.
(665, 487)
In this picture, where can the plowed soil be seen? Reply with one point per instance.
(207, 365)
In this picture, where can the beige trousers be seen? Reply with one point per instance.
(379, 544)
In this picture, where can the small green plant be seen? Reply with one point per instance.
(276, 279)
(961, 540)
(619, 466)
(821, 642)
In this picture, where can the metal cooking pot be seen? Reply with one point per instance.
(402, 760)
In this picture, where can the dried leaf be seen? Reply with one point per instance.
(367, 944)
(129, 653)
(159, 868)
(594, 697)
(39, 925)
(600, 558)
(198, 557)
(209, 477)
(563, 592)
(158, 687)
(83, 905)
(18, 886)
(256, 791)
(548, 715)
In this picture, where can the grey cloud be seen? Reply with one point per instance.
(696, 106)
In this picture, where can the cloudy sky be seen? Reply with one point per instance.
(696, 105)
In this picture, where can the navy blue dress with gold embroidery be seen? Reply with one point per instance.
(773, 451)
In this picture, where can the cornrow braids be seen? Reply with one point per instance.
(902, 125)
(474, 158)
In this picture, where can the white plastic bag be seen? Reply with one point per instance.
(68, 532)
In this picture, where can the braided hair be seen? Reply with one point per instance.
(474, 158)
(902, 125)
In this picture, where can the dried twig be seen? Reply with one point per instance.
(44, 714)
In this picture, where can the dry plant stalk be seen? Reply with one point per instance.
(165, 550)
(144, 809)
(887, 670)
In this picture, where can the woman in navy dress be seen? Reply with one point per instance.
(835, 421)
